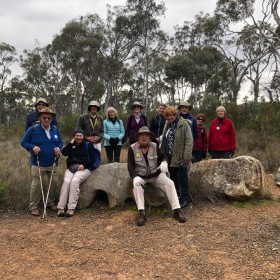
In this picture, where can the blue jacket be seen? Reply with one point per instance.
(32, 119)
(36, 136)
(193, 124)
(113, 130)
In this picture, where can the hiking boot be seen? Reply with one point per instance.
(141, 219)
(60, 213)
(179, 216)
(35, 212)
(70, 213)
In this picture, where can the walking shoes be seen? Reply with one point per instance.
(35, 212)
(141, 219)
(70, 213)
(179, 216)
(60, 213)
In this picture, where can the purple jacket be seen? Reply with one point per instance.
(132, 127)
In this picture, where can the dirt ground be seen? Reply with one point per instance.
(218, 241)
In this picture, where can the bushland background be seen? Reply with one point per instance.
(257, 132)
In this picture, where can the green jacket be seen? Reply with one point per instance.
(183, 142)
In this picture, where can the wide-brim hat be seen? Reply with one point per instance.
(41, 99)
(185, 104)
(94, 103)
(144, 129)
(136, 103)
(46, 110)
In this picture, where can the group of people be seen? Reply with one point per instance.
(173, 140)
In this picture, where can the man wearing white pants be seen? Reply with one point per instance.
(143, 167)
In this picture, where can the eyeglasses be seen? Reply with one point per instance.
(46, 118)
(200, 119)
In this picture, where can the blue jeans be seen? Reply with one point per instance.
(179, 175)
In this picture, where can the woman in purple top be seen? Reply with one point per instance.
(135, 121)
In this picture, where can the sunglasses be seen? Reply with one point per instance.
(200, 119)
(46, 118)
(136, 106)
(41, 104)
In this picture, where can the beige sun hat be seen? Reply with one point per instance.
(144, 129)
(186, 104)
(94, 103)
(136, 103)
(41, 99)
(46, 110)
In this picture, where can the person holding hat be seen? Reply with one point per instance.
(222, 141)
(44, 141)
(79, 164)
(113, 135)
(177, 145)
(184, 109)
(200, 143)
(135, 121)
(157, 123)
(146, 164)
(32, 118)
(92, 125)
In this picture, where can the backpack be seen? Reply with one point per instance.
(97, 157)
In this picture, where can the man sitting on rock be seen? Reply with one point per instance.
(143, 167)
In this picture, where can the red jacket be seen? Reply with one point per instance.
(221, 136)
(200, 144)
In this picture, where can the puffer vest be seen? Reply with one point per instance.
(141, 167)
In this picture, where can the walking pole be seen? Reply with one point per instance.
(47, 197)
(43, 196)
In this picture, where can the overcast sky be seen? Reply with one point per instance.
(22, 22)
(25, 22)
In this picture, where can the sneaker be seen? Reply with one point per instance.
(35, 212)
(70, 213)
(141, 219)
(60, 213)
(179, 216)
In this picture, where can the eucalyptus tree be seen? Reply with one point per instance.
(145, 14)
(119, 38)
(264, 35)
(44, 76)
(8, 57)
(76, 48)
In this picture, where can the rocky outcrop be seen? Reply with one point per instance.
(239, 178)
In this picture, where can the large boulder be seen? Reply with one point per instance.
(114, 180)
(239, 178)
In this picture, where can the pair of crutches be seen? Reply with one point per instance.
(45, 201)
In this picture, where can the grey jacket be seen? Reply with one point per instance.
(183, 142)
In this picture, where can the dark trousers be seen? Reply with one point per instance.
(220, 154)
(179, 175)
(113, 153)
(197, 156)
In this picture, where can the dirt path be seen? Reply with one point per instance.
(224, 241)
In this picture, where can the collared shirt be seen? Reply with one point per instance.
(47, 131)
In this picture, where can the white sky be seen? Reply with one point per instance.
(22, 22)
(25, 22)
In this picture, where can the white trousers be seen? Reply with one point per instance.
(162, 182)
(70, 189)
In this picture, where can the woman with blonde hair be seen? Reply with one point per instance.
(113, 134)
